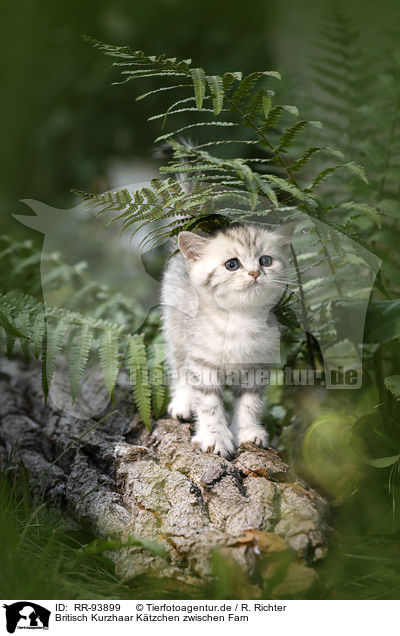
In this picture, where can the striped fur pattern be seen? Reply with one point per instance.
(218, 324)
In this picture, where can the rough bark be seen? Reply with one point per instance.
(125, 481)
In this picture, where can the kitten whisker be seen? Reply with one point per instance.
(285, 282)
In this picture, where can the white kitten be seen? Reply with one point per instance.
(217, 297)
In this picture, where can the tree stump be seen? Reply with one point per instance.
(158, 486)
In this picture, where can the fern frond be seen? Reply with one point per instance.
(247, 175)
(156, 360)
(199, 85)
(229, 77)
(286, 186)
(222, 142)
(352, 166)
(133, 75)
(79, 355)
(357, 170)
(266, 189)
(160, 90)
(43, 371)
(291, 133)
(11, 340)
(137, 365)
(216, 86)
(38, 333)
(125, 53)
(52, 347)
(178, 111)
(266, 103)
(9, 326)
(310, 152)
(108, 201)
(23, 325)
(363, 208)
(189, 126)
(109, 358)
(275, 114)
(247, 84)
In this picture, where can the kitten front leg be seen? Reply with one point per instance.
(181, 404)
(212, 432)
(246, 418)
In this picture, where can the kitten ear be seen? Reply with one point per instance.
(286, 232)
(191, 245)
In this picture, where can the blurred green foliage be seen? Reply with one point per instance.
(61, 124)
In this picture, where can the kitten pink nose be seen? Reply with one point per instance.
(255, 274)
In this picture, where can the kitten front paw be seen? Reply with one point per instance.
(179, 408)
(219, 443)
(255, 434)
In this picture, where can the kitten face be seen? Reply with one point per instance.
(241, 266)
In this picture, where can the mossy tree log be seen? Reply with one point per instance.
(126, 481)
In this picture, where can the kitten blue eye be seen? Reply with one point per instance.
(232, 264)
(265, 260)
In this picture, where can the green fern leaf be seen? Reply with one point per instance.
(79, 355)
(9, 327)
(156, 359)
(357, 170)
(10, 343)
(209, 123)
(215, 83)
(43, 371)
(22, 323)
(199, 85)
(267, 103)
(54, 344)
(247, 84)
(38, 332)
(138, 57)
(248, 177)
(291, 133)
(132, 76)
(266, 189)
(159, 90)
(289, 108)
(138, 369)
(286, 186)
(276, 113)
(229, 77)
(303, 160)
(177, 112)
(352, 166)
(371, 212)
(109, 358)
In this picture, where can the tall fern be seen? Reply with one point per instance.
(357, 95)
(137, 365)
(47, 331)
(222, 186)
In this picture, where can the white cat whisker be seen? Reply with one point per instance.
(285, 282)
